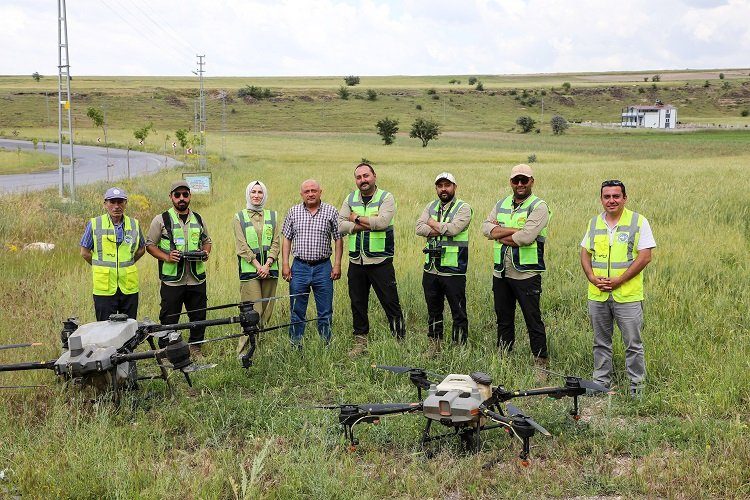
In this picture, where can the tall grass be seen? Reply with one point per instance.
(252, 433)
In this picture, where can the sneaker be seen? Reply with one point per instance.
(360, 346)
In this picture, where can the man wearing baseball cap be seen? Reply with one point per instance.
(518, 226)
(111, 244)
(445, 224)
(183, 280)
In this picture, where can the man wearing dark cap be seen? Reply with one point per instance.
(518, 226)
(445, 224)
(176, 238)
(111, 244)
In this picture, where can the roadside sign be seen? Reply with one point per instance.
(140, 142)
(189, 151)
(174, 145)
(199, 182)
(98, 139)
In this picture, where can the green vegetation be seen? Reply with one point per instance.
(351, 80)
(425, 130)
(253, 434)
(25, 162)
(387, 130)
(526, 123)
(558, 124)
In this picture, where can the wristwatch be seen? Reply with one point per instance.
(356, 220)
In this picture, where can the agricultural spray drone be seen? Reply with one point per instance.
(103, 354)
(467, 404)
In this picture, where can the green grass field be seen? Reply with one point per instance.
(22, 162)
(252, 434)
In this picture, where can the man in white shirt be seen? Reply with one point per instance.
(615, 250)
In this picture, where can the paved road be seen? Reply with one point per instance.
(91, 166)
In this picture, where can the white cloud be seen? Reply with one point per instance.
(367, 37)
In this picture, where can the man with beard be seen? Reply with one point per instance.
(112, 243)
(367, 217)
(183, 280)
(518, 226)
(445, 224)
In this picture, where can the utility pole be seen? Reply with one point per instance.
(64, 122)
(223, 124)
(201, 114)
(46, 101)
(542, 118)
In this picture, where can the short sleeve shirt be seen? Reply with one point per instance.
(311, 234)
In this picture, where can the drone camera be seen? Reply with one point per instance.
(445, 408)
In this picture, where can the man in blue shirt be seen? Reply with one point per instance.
(111, 244)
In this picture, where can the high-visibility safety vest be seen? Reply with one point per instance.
(177, 240)
(371, 243)
(260, 249)
(611, 260)
(455, 256)
(526, 258)
(113, 265)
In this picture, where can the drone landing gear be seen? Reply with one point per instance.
(247, 358)
(469, 437)
(574, 411)
(159, 362)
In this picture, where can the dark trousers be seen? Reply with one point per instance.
(104, 305)
(382, 278)
(527, 293)
(436, 290)
(172, 300)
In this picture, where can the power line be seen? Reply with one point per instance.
(170, 30)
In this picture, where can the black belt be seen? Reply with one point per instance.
(313, 262)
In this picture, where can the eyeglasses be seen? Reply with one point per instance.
(612, 182)
(521, 180)
(181, 194)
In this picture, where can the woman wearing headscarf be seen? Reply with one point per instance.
(256, 231)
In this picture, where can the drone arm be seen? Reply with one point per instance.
(500, 394)
(34, 365)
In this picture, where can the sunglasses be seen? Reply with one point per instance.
(520, 180)
(181, 194)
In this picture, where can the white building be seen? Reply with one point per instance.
(656, 116)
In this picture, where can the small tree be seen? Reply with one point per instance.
(387, 129)
(351, 80)
(182, 137)
(142, 133)
(97, 117)
(559, 124)
(372, 95)
(426, 130)
(343, 93)
(480, 86)
(706, 84)
(656, 78)
(566, 87)
(472, 80)
(36, 76)
(721, 76)
(526, 123)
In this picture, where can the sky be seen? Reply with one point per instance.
(369, 37)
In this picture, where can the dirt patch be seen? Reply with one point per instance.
(306, 98)
(175, 101)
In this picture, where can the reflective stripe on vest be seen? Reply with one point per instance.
(246, 269)
(113, 265)
(526, 258)
(455, 256)
(173, 271)
(612, 259)
(372, 243)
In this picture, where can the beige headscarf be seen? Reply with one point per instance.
(250, 206)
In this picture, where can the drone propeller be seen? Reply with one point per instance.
(237, 304)
(584, 383)
(405, 369)
(515, 412)
(16, 346)
(261, 330)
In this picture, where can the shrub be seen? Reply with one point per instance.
(371, 95)
(142, 133)
(531, 158)
(418, 107)
(745, 112)
(453, 81)
(472, 80)
(656, 78)
(706, 84)
(512, 92)
(544, 92)
(426, 130)
(431, 91)
(645, 78)
(526, 123)
(641, 90)
(435, 97)
(566, 86)
(36, 76)
(559, 124)
(726, 85)
(721, 76)
(387, 129)
(351, 80)
(343, 93)
(254, 92)
(480, 86)
(182, 137)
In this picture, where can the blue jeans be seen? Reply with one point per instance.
(305, 277)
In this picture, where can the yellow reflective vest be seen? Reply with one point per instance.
(371, 243)
(260, 248)
(177, 239)
(455, 249)
(526, 258)
(611, 260)
(113, 265)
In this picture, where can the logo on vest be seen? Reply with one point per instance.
(522, 220)
(128, 239)
(622, 237)
(195, 236)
